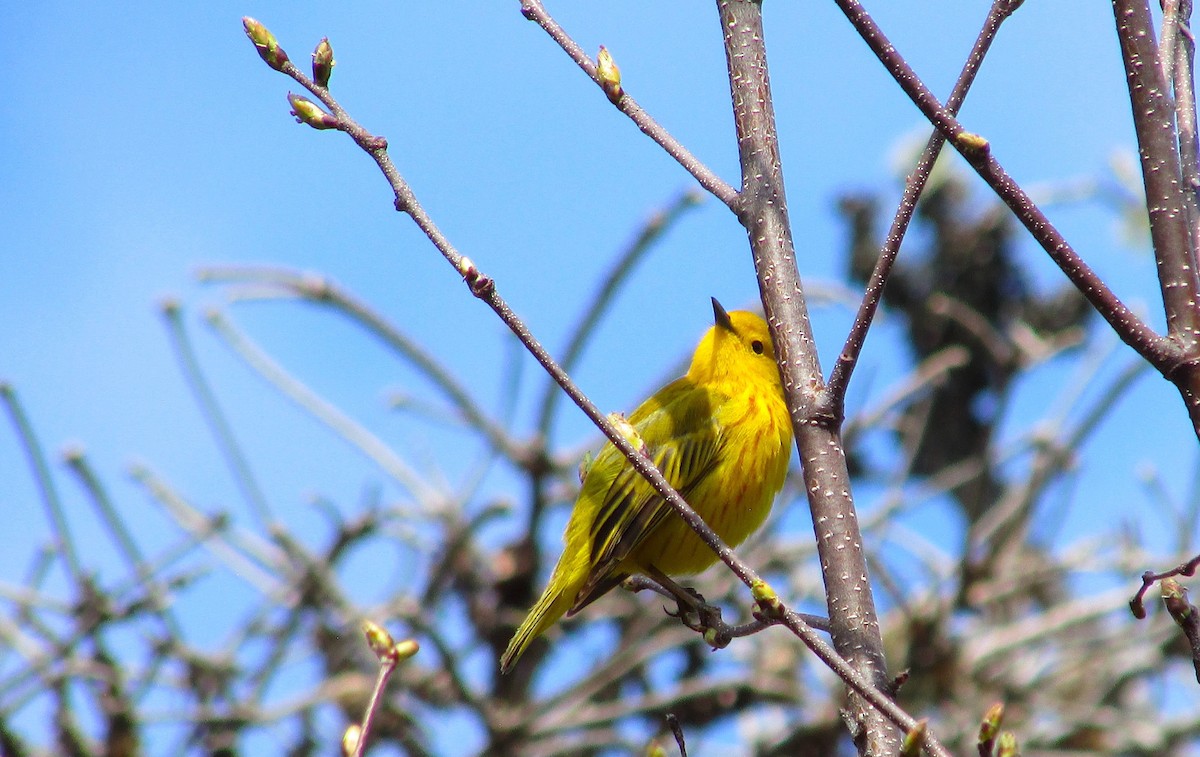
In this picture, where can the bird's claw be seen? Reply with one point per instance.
(701, 617)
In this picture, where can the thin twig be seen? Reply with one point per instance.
(372, 446)
(41, 474)
(218, 423)
(1164, 354)
(484, 288)
(536, 12)
(322, 291)
(386, 668)
(643, 242)
(677, 731)
(1149, 578)
(839, 379)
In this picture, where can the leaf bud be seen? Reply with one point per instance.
(323, 62)
(609, 75)
(265, 43)
(308, 112)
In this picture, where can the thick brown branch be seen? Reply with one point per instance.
(854, 625)
(1183, 82)
(1154, 122)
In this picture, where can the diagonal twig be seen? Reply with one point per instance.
(1165, 355)
(484, 288)
(839, 379)
(536, 12)
(49, 494)
(217, 421)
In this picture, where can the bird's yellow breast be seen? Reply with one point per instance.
(736, 496)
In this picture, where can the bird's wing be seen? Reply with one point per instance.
(683, 439)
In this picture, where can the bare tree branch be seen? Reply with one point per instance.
(914, 185)
(536, 12)
(1165, 355)
(484, 288)
(1154, 122)
(762, 209)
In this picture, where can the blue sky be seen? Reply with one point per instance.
(143, 140)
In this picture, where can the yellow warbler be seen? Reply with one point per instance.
(722, 437)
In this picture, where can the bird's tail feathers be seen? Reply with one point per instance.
(552, 605)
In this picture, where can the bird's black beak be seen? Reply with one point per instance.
(720, 317)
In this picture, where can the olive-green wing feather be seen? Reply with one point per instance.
(679, 428)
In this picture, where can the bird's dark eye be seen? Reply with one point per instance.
(757, 346)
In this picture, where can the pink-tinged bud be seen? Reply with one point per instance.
(378, 639)
(609, 75)
(265, 43)
(989, 727)
(1174, 596)
(479, 283)
(308, 112)
(322, 62)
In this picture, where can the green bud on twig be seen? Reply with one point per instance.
(308, 112)
(910, 745)
(265, 43)
(627, 430)
(973, 145)
(1006, 745)
(1175, 598)
(610, 75)
(350, 739)
(405, 649)
(990, 726)
(378, 639)
(766, 601)
(323, 62)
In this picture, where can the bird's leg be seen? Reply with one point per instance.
(690, 602)
(683, 595)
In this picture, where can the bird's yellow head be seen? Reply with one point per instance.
(738, 347)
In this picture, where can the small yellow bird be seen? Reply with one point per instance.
(722, 437)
